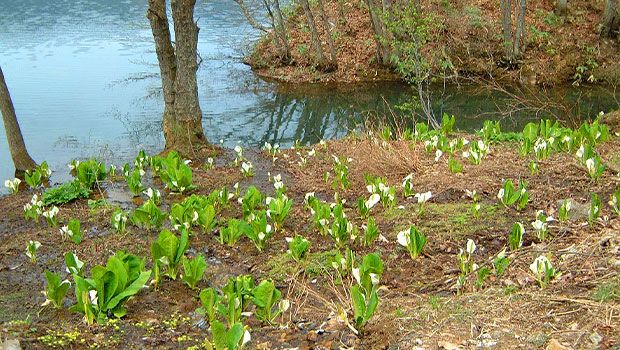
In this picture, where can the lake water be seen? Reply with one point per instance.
(84, 80)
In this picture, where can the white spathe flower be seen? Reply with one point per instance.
(465, 154)
(64, 231)
(238, 150)
(470, 247)
(311, 153)
(539, 265)
(92, 295)
(502, 254)
(356, 275)
(500, 194)
(540, 145)
(374, 278)
(580, 152)
(35, 244)
(308, 195)
(538, 225)
(51, 213)
(246, 167)
(12, 185)
(403, 238)
(371, 188)
(383, 188)
(407, 180)
(246, 337)
(590, 165)
(470, 194)
(284, 305)
(438, 154)
(261, 236)
(372, 200)
(423, 197)
(278, 185)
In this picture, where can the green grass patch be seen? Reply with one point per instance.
(281, 266)
(449, 220)
(607, 291)
(8, 302)
(65, 193)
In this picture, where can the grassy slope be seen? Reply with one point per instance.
(418, 304)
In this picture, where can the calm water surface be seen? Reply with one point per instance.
(83, 76)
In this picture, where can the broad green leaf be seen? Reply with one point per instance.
(234, 335)
(132, 289)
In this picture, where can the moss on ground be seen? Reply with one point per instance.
(447, 220)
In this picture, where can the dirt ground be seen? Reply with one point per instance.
(419, 307)
(465, 33)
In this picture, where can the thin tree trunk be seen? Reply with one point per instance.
(506, 12)
(333, 65)
(342, 18)
(380, 37)
(611, 20)
(182, 117)
(561, 7)
(17, 147)
(251, 20)
(314, 34)
(519, 38)
(281, 30)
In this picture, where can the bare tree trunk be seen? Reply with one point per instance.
(380, 37)
(248, 16)
(506, 12)
(281, 32)
(519, 37)
(182, 118)
(314, 35)
(333, 64)
(561, 7)
(278, 27)
(610, 27)
(17, 147)
(342, 18)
